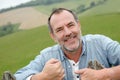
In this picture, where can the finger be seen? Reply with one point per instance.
(58, 65)
(80, 71)
(62, 77)
(62, 72)
(59, 69)
(53, 60)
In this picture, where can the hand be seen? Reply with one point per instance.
(91, 74)
(53, 70)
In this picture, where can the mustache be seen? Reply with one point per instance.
(69, 37)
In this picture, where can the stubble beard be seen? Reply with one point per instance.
(72, 50)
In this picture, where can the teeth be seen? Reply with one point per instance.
(70, 37)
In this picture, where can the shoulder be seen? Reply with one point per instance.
(54, 51)
(96, 37)
(51, 52)
(51, 49)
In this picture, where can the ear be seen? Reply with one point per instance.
(79, 24)
(53, 36)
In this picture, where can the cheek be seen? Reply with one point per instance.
(76, 31)
(59, 37)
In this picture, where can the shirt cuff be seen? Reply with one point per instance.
(29, 77)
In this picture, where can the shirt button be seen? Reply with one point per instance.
(77, 76)
(73, 64)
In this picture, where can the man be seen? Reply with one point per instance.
(68, 60)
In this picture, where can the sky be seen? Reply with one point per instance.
(11, 3)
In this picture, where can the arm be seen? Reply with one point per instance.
(114, 73)
(52, 71)
(112, 49)
(35, 66)
(103, 74)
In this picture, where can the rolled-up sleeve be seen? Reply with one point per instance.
(34, 67)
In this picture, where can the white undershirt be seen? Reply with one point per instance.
(74, 67)
(29, 77)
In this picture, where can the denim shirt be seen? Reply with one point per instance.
(95, 47)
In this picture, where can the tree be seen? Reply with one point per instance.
(92, 4)
(80, 8)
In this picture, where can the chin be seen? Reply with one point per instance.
(71, 49)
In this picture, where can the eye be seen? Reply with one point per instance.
(70, 24)
(59, 29)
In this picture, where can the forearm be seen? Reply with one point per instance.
(114, 73)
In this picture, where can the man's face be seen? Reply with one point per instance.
(66, 31)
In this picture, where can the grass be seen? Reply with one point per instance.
(102, 24)
(19, 48)
(108, 7)
(71, 4)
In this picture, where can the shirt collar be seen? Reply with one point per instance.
(83, 46)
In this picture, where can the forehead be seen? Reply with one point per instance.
(61, 18)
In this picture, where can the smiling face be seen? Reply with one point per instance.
(66, 31)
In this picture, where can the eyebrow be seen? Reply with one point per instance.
(71, 22)
(60, 27)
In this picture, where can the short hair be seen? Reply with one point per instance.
(57, 11)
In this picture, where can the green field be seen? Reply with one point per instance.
(108, 7)
(107, 24)
(70, 4)
(19, 48)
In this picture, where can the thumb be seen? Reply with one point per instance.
(81, 71)
(52, 61)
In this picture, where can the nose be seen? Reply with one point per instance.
(67, 31)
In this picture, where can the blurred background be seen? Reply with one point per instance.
(23, 26)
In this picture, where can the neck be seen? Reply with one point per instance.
(74, 55)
